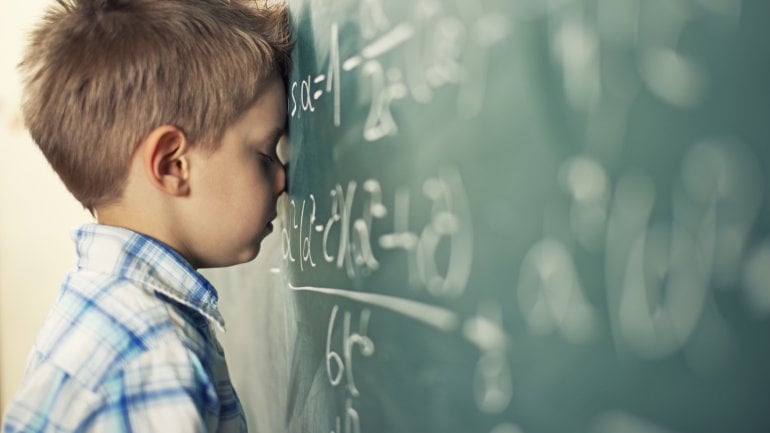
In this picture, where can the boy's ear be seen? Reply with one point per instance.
(165, 155)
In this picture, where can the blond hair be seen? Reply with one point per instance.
(100, 75)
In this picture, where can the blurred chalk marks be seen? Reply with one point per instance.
(551, 296)
(621, 421)
(661, 269)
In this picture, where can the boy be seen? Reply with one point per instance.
(162, 118)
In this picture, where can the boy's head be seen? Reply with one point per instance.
(100, 75)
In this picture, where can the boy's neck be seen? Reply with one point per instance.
(151, 219)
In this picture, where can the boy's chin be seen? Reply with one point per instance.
(244, 256)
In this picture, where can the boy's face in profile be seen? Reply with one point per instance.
(234, 189)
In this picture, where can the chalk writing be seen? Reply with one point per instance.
(347, 242)
(493, 381)
(336, 365)
(438, 49)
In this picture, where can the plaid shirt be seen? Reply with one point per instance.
(128, 346)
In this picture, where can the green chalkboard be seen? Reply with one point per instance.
(512, 216)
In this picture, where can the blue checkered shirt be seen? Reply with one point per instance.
(127, 346)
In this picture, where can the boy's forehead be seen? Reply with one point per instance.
(266, 119)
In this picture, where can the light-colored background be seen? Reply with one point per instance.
(36, 211)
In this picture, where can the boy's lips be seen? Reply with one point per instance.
(270, 224)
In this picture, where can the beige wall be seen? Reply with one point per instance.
(36, 212)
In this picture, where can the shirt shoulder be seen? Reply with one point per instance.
(100, 322)
(109, 349)
(127, 343)
(159, 390)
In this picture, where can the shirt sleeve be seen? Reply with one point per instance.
(157, 391)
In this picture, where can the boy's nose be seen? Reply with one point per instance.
(280, 180)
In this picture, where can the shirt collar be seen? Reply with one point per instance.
(149, 263)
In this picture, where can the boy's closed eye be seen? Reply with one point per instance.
(268, 160)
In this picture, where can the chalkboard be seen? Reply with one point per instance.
(511, 216)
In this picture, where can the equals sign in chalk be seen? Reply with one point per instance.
(319, 79)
